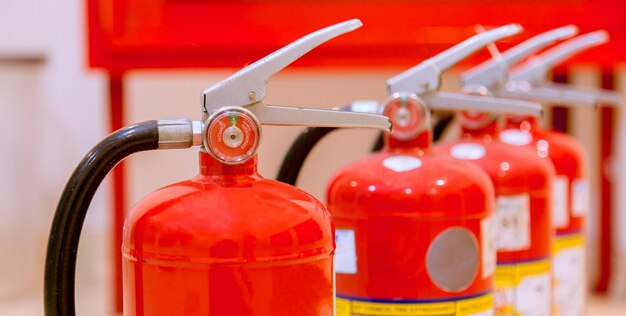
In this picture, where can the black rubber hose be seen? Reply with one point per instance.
(60, 268)
(299, 150)
(442, 123)
(379, 142)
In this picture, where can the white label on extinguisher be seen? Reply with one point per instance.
(467, 151)
(402, 163)
(524, 288)
(513, 222)
(568, 271)
(560, 215)
(580, 197)
(345, 253)
(534, 295)
(488, 238)
(516, 137)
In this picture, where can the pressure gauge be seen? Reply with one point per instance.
(232, 135)
(408, 115)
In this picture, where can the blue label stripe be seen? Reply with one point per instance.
(414, 301)
(570, 232)
(513, 262)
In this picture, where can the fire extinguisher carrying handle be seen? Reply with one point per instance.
(462, 102)
(600, 96)
(60, 266)
(305, 142)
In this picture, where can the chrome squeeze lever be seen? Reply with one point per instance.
(531, 78)
(426, 76)
(493, 73)
(424, 79)
(247, 88)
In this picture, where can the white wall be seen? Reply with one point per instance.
(52, 114)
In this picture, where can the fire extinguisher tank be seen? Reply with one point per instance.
(228, 242)
(394, 215)
(571, 187)
(522, 183)
(570, 193)
(412, 228)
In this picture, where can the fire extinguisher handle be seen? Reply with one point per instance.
(247, 88)
(60, 265)
(521, 90)
(494, 71)
(463, 102)
(426, 76)
(536, 69)
(248, 85)
(305, 142)
(294, 116)
(600, 96)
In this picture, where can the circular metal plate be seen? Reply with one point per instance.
(452, 259)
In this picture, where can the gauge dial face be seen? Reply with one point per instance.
(407, 114)
(474, 119)
(232, 135)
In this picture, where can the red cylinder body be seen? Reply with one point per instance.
(228, 242)
(413, 233)
(571, 200)
(522, 183)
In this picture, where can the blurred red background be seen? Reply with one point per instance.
(193, 33)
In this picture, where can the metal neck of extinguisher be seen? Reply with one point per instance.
(230, 132)
(421, 84)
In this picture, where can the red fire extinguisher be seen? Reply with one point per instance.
(570, 188)
(414, 229)
(523, 184)
(228, 241)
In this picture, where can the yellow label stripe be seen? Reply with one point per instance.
(463, 307)
(343, 307)
(567, 241)
(474, 305)
(510, 275)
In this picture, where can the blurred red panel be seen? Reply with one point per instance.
(126, 34)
